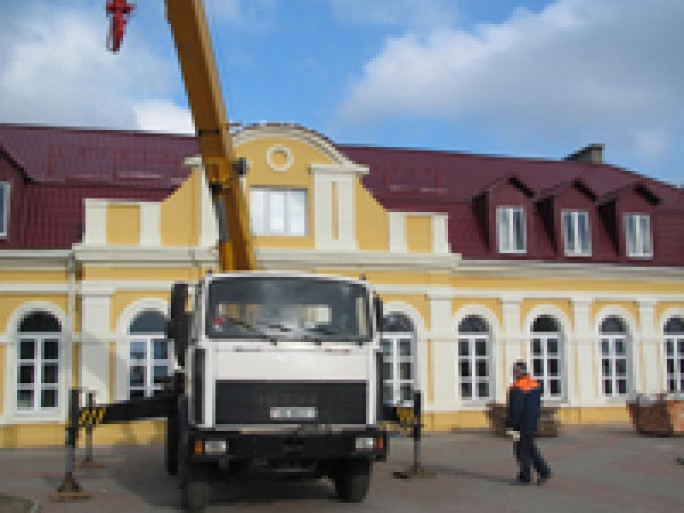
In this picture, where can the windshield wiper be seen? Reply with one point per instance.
(256, 330)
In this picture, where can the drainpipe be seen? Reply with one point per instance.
(71, 304)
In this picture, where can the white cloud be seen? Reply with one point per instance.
(55, 69)
(612, 66)
(163, 116)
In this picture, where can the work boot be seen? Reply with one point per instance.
(543, 479)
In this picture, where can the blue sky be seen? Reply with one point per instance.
(530, 78)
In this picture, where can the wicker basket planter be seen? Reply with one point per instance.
(549, 425)
(661, 415)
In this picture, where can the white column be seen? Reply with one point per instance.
(346, 213)
(95, 222)
(150, 224)
(397, 232)
(443, 354)
(440, 236)
(511, 338)
(582, 353)
(95, 334)
(647, 351)
(323, 214)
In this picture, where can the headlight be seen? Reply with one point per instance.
(215, 447)
(365, 443)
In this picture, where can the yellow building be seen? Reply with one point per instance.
(479, 260)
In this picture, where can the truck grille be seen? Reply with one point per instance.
(251, 402)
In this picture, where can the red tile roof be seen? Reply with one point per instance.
(63, 166)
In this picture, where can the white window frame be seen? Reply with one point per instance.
(391, 345)
(37, 362)
(638, 244)
(675, 341)
(472, 358)
(288, 229)
(149, 387)
(576, 247)
(4, 215)
(506, 235)
(545, 377)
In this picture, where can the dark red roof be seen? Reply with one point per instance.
(53, 170)
(48, 154)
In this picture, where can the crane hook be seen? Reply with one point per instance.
(118, 11)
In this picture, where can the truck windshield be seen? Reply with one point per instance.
(288, 308)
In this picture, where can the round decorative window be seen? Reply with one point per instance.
(279, 158)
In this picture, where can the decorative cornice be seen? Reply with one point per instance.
(538, 269)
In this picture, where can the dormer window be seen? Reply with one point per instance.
(4, 209)
(576, 233)
(511, 229)
(638, 236)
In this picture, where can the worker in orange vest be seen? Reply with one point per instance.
(524, 407)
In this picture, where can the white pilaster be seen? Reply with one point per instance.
(95, 332)
(583, 350)
(397, 232)
(440, 236)
(647, 349)
(443, 354)
(511, 338)
(150, 224)
(95, 222)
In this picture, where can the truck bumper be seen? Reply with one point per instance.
(208, 446)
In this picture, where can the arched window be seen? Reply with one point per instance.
(674, 354)
(399, 358)
(547, 356)
(38, 362)
(474, 359)
(150, 354)
(615, 362)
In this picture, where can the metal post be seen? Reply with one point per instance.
(88, 460)
(70, 489)
(416, 470)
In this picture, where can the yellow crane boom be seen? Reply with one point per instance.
(223, 169)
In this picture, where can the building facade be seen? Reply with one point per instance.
(574, 265)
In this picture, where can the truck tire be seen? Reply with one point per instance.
(195, 491)
(352, 480)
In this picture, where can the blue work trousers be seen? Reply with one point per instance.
(527, 454)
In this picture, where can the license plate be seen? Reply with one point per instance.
(293, 412)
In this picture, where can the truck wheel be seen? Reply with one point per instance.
(195, 493)
(352, 480)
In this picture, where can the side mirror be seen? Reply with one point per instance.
(377, 306)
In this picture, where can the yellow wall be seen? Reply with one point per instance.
(491, 304)
(33, 276)
(528, 305)
(180, 214)
(660, 310)
(628, 306)
(121, 300)
(141, 274)
(76, 364)
(3, 351)
(10, 302)
(372, 227)
(123, 224)
(419, 233)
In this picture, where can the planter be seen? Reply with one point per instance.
(549, 425)
(657, 415)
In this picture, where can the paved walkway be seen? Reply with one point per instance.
(606, 469)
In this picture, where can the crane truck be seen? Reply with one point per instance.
(276, 370)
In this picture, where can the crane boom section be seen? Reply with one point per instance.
(198, 67)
